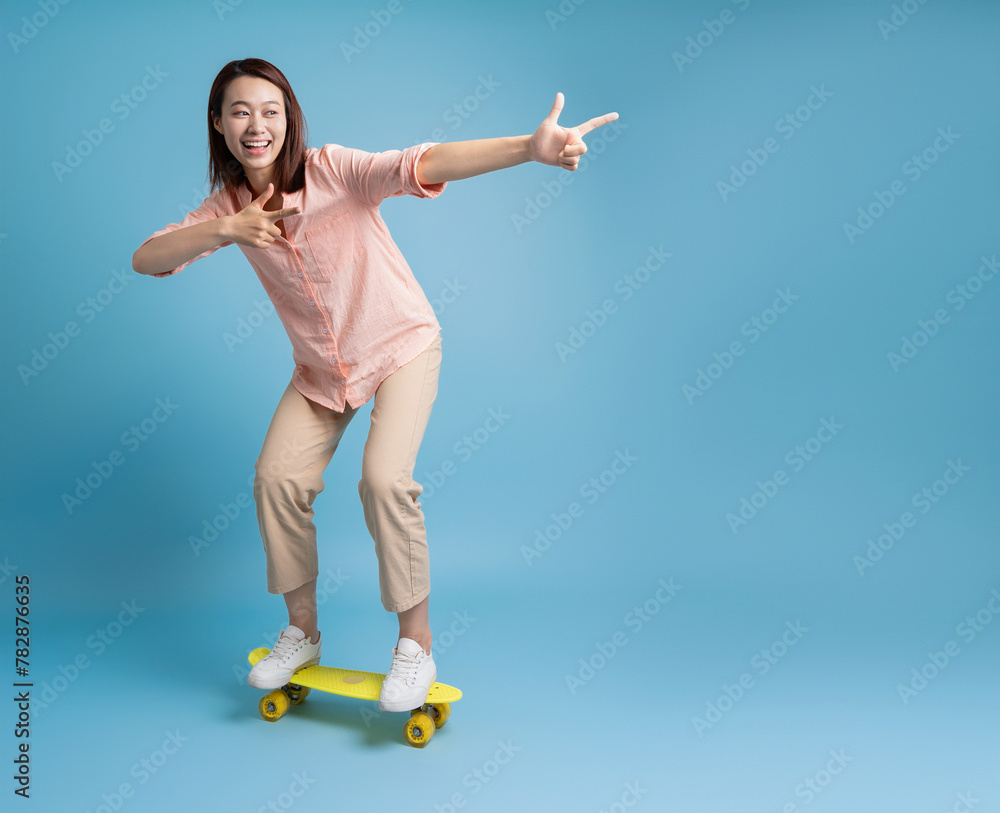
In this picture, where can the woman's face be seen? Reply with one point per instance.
(253, 110)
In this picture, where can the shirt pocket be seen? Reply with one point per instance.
(335, 245)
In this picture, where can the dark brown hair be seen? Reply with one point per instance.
(225, 171)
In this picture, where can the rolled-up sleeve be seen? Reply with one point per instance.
(373, 176)
(205, 212)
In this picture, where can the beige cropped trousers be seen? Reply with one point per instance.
(300, 442)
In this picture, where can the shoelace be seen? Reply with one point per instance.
(285, 647)
(404, 667)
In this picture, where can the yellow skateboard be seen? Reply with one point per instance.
(364, 686)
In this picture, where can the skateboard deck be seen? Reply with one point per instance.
(360, 685)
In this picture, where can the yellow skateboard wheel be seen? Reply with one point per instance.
(273, 704)
(296, 694)
(419, 729)
(439, 712)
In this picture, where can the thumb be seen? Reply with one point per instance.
(265, 195)
(557, 107)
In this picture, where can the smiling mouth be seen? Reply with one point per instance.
(259, 148)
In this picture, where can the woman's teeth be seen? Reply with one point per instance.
(256, 147)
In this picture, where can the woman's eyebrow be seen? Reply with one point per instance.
(271, 101)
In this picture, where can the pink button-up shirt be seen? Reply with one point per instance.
(348, 300)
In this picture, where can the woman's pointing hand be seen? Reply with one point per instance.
(255, 227)
(562, 146)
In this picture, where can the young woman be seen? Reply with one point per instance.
(308, 221)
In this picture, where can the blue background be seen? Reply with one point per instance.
(514, 631)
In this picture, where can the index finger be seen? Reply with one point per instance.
(594, 123)
(280, 213)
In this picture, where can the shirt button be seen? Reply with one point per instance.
(325, 330)
(312, 303)
(334, 360)
(343, 381)
(300, 273)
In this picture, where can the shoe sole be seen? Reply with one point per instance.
(397, 706)
(257, 683)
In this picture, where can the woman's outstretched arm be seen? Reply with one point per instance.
(549, 144)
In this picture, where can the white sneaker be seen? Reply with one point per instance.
(292, 652)
(410, 677)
